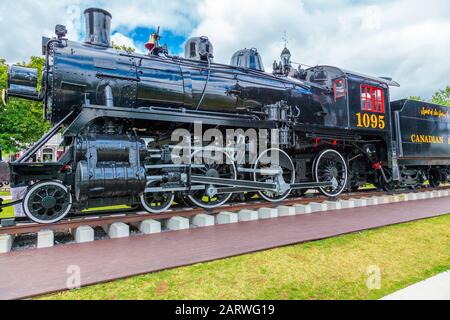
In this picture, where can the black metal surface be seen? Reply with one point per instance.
(119, 110)
(107, 181)
(22, 82)
(109, 167)
(98, 27)
(92, 112)
(423, 132)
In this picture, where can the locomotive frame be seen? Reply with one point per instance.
(333, 129)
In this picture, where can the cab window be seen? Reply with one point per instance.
(372, 99)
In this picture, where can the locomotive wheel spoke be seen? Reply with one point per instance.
(330, 166)
(288, 174)
(157, 202)
(47, 202)
(226, 170)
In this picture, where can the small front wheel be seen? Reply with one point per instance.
(157, 202)
(47, 202)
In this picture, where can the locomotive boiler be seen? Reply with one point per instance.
(331, 129)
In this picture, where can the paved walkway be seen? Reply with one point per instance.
(107, 260)
(436, 288)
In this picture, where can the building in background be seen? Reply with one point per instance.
(50, 152)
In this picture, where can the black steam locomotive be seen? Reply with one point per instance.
(332, 130)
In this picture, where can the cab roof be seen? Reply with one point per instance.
(348, 73)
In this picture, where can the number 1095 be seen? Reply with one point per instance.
(373, 121)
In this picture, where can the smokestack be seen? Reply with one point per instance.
(98, 27)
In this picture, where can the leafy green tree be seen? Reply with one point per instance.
(21, 121)
(123, 48)
(416, 98)
(442, 97)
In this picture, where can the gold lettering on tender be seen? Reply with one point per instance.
(433, 112)
(428, 139)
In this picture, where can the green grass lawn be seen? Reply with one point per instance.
(329, 269)
(9, 211)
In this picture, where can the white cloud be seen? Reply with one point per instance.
(24, 22)
(122, 40)
(406, 39)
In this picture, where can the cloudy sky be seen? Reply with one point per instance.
(408, 40)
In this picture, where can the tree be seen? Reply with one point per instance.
(21, 121)
(123, 48)
(442, 97)
(415, 98)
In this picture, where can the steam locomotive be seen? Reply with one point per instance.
(331, 129)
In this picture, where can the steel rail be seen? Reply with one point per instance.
(102, 218)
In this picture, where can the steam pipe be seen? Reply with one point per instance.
(206, 84)
(44, 89)
(109, 98)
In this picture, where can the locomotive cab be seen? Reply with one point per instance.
(351, 100)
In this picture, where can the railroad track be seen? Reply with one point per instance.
(130, 216)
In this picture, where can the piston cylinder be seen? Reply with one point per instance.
(108, 181)
(109, 167)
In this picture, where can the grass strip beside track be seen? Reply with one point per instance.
(336, 268)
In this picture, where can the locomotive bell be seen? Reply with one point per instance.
(98, 27)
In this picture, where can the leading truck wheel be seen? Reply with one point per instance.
(157, 202)
(47, 202)
(330, 166)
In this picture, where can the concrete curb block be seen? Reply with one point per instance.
(117, 230)
(177, 223)
(359, 202)
(381, 200)
(46, 239)
(394, 199)
(6, 243)
(347, 204)
(227, 217)
(203, 220)
(421, 196)
(302, 209)
(429, 195)
(149, 226)
(267, 213)
(318, 207)
(410, 197)
(84, 234)
(285, 211)
(333, 205)
(248, 215)
(371, 201)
